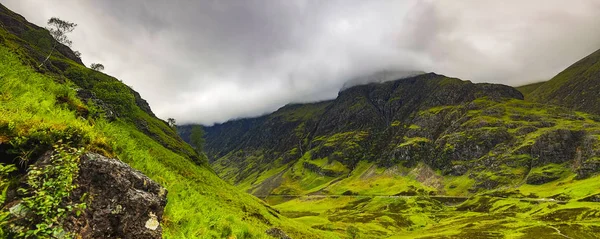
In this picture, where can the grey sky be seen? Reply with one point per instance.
(209, 61)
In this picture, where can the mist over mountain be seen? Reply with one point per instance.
(212, 61)
(300, 119)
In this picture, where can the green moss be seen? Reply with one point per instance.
(301, 112)
(413, 141)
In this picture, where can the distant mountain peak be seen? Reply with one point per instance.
(380, 77)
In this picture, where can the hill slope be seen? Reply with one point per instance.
(527, 89)
(63, 104)
(577, 87)
(415, 138)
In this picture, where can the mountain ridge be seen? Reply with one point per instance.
(390, 158)
(576, 87)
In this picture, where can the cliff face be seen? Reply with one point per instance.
(485, 132)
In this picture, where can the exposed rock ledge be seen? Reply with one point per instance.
(123, 203)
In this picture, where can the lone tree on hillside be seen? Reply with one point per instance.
(172, 123)
(97, 67)
(58, 29)
(197, 138)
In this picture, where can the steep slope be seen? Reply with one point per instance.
(65, 106)
(577, 87)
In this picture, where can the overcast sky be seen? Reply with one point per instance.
(207, 61)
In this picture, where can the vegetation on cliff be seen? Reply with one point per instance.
(421, 142)
(63, 102)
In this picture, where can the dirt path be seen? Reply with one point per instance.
(560, 233)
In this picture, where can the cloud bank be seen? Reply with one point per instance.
(210, 61)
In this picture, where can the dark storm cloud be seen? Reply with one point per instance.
(213, 60)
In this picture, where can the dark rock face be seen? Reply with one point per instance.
(368, 122)
(143, 104)
(86, 95)
(124, 202)
(557, 146)
(541, 178)
(457, 127)
(588, 169)
(592, 198)
(277, 233)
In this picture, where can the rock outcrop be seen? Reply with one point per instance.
(120, 202)
(123, 203)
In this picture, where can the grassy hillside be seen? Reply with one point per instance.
(576, 87)
(63, 102)
(386, 160)
(527, 89)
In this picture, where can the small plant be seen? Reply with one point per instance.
(48, 188)
(352, 232)
(5, 171)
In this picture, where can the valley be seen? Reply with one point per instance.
(380, 160)
(396, 154)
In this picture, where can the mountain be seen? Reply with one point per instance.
(527, 89)
(69, 138)
(577, 87)
(387, 159)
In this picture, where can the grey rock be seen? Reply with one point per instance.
(277, 233)
(124, 202)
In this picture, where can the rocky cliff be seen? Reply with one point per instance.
(484, 132)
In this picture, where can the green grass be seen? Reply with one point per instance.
(527, 89)
(34, 116)
(580, 77)
(510, 217)
(301, 112)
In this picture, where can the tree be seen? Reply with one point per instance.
(172, 123)
(97, 67)
(58, 30)
(197, 138)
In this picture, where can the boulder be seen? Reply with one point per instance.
(277, 233)
(123, 203)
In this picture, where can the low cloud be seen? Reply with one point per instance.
(210, 61)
